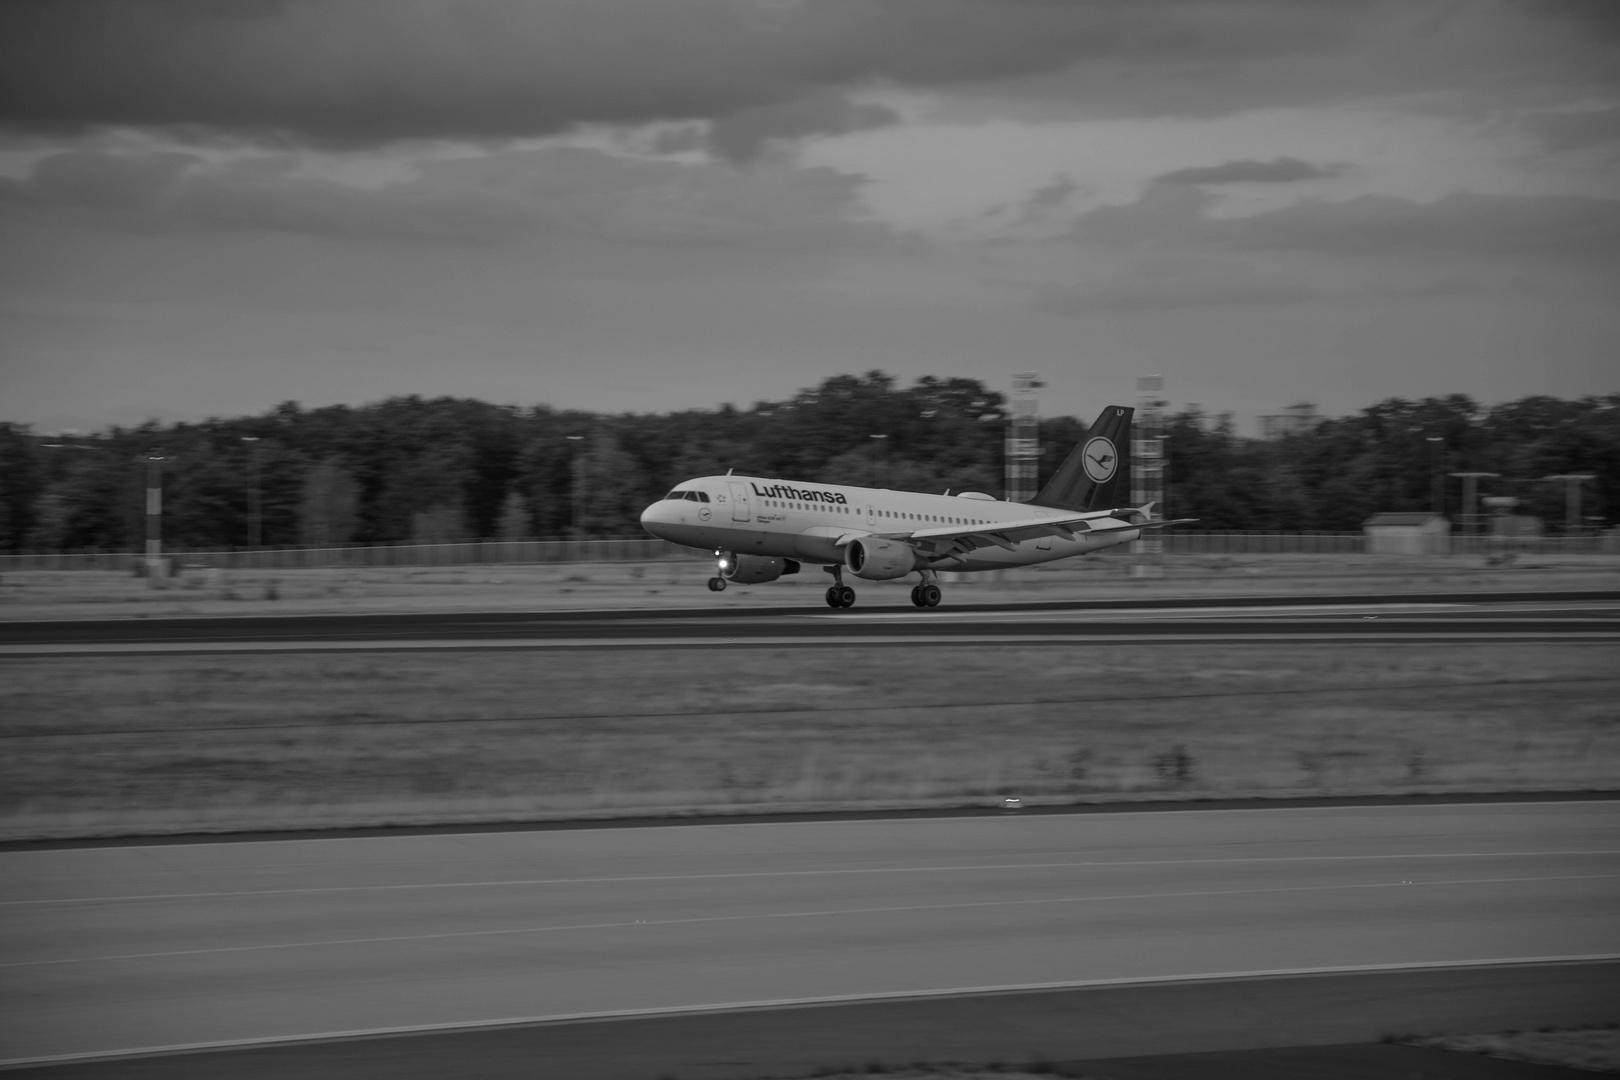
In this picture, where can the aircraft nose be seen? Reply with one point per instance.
(653, 516)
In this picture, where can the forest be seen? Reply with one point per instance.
(443, 469)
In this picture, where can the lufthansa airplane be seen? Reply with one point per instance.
(761, 529)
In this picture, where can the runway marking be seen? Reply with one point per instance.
(1115, 614)
(803, 1002)
(1460, 634)
(810, 914)
(769, 874)
(857, 822)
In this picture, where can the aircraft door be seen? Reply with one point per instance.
(739, 501)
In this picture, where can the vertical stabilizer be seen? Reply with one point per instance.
(1097, 475)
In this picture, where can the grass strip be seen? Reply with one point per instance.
(98, 746)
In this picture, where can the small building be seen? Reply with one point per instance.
(1407, 534)
(1516, 526)
(1298, 419)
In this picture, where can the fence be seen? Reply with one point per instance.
(647, 549)
(475, 553)
(1262, 543)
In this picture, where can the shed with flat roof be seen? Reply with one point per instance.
(1407, 534)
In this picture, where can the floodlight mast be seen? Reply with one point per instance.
(1470, 511)
(154, 519)
(1147, 471)
(1572, 499)
(1023, 450)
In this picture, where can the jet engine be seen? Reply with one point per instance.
(880, 560)
(753, 569)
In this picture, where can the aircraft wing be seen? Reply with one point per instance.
(959, 540)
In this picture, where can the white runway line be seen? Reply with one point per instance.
(1093, 864)
(1080, 635)
(1110, 614)
(819, 913)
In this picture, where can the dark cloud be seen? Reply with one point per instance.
(555, 192)
(1283, 170)
(368, 71)
(162, 190)
(740, 136)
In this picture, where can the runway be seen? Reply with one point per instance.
(108, 950)
(1571, 617)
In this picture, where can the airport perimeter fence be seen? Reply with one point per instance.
(648, 549)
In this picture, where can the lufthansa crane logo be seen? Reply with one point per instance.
(1100, 459)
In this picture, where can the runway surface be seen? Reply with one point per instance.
(1592, 617)
(117, 949)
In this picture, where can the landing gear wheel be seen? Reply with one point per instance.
(929, 594)
(916, 596)
(846, 596)
(833, 600)
(717, 584)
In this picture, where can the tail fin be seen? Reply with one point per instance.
(1097, 475)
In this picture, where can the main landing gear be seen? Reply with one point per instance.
(839, 595)
(927, 594)
(717, 584)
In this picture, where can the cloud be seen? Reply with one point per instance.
(1576, 129)
(1160, 284)
(370, 71)
(1460, 226)
(1563, 227)
(486, 199)
(92, 178)
(1282, 170)
(1600, 17)
(740, 136)
(1164, 252)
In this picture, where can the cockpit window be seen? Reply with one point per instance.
(703, 496)
(676, 494)
(691, 496)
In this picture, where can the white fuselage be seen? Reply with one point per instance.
(751, 515)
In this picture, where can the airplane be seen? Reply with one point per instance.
(762, 529)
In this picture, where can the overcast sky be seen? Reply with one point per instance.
(207, 208)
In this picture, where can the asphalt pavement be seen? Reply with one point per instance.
(748, 950)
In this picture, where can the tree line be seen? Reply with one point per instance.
(441, 469)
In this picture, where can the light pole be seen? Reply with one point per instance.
(574, 485)
(1437, 489)
(880, 446)
(255, 514)
(1470, 514)
(1572, 499)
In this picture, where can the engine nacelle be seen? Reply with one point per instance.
(880, 560)
(753, 569)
